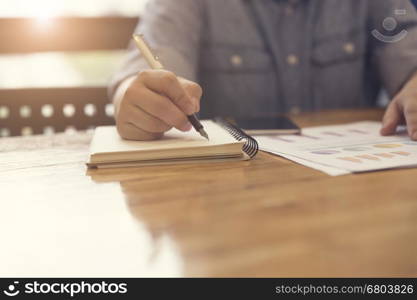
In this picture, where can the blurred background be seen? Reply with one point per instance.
(54, 54)
(59, 68)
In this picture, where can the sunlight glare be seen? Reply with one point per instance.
(44, 11)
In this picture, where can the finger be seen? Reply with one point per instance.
(410, 114)
(167, 83)
(145, 121)
(129, 131)
(193, 90)
(392, 118)
(160, 107)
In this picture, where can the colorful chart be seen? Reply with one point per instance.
(325, 152)
(387, 146)
(332, 133)
(350, 159)
(368, 157)
(358, 131)
(356, 149)
(402, 153)
(385, 155)
(411, 143)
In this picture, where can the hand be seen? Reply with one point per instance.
(154, 102)
(402, 110)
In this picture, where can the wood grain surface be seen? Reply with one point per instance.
(267, 217)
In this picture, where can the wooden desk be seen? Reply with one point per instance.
(266, 217)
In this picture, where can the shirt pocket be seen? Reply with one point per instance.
(338, 66)
(339, 49)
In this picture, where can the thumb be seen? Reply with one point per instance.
(392, 118)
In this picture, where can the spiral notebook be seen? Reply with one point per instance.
(227, 143)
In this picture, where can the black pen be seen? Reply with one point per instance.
(155, 64)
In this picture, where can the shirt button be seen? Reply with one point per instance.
(292, 60)
(289, 10)
(349, 48)
(236, 60)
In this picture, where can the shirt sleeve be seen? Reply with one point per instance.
(394, 52)
(172, 30)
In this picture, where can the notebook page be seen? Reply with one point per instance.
(107, 140)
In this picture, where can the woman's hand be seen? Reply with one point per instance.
(402, 111)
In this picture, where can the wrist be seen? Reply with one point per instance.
(120, 91)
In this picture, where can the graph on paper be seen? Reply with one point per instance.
(354, 147)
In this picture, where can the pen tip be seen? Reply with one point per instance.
(204, 133)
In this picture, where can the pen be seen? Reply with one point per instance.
(155, 64)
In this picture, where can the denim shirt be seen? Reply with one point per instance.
(256, 57)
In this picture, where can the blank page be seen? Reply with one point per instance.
(107, 140)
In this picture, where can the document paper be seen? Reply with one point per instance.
(343, 149)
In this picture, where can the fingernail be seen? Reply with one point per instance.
(385, 122)
(383, 127)
(387, 126)
(187, 127)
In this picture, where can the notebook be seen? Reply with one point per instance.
(227, 143)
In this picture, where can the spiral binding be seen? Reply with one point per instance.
(250, 147)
